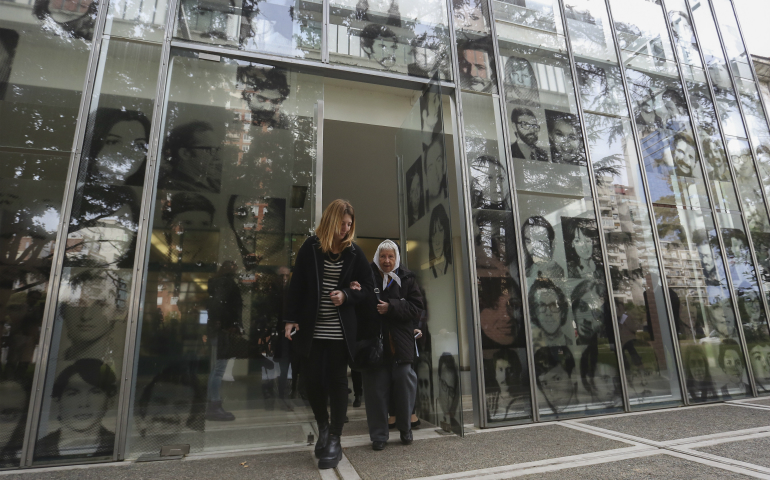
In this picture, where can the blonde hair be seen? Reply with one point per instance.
(330, 224)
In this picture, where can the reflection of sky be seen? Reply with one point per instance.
(49, 220)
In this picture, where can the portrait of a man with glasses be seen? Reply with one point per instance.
(549, 310)
(527, 133)
(192, 150)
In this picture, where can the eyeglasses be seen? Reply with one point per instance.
(548, 307)
(528, 126)
(447, 390)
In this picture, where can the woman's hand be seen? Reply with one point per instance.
(338, 297)
(355, 285)
(288, 328)
(417, 333)
(382, 307)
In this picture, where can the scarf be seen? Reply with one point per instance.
(388, 245)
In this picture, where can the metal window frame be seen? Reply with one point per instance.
(141, 258)
(597, 210)
(650, 209)
(59, 254)
(714, 211)
(500, 72)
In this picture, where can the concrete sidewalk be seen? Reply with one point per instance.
(725, 440)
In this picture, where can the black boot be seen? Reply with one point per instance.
(333, 453)
(323, 440)
(215, 413)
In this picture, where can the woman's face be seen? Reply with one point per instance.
(537, 243)
(590, 311)
(520, 75)
(434, 168)
(437, 238)
(557, 387)
(387, 260)
(124, 150)
(502, 373)
(760, 364)
(497, 324)
(582, 244)
(345, 225)
(733, 365)
(82, 406)
(698, 368)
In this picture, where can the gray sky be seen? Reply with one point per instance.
(754, 15)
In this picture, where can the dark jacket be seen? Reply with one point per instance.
(305, 292)
(406, 308)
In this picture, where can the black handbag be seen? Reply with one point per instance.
(369, 354)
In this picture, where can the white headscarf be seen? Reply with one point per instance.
(388, 245)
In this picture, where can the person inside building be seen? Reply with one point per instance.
(392, 387)
(321, 320)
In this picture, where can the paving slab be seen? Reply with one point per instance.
(680, 423)
(749, 451)
(759, 401)
(656, 466)
(290, 466)
(481, 450)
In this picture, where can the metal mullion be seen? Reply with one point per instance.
(650, 210)
(464, 181)
(597, 209)
(141, 258)
(516, 217)
(325, 31)
(720, 127)
(751, 146)
(710, 195)
(59, 253)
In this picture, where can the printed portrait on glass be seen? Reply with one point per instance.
(189, 233)
(14, 401)
(380, 44)
(258, 225)
(264, 89)
(581, 247)
(554, 368)
(538, 238)
(676, 117)
(642, 374)
(469, 15)
(759, 356)
(707, 248)
(647, 119)
(193, 163)
(424, 405)
(489, 184)
(752, 314)
(439, 242)
(72, 19)
(565, 138)
(475, 67)
(739, 260)
(82, 394)
(501, 314)
(507, 386)
(415, 201)
(549, 311)
(494, 244)
(599, 379)
(521, 83)
(430, 115)
(9, 39)
(448, 392)
(684, 154)
(684, 37)
(169, 405)
(716, 160)
(720, 322)
(731, 362)
(697, 374)
(527, 128)
(590, 311)
(435, 172)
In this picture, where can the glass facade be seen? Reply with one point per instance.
(581, 187)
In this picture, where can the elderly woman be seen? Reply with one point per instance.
(392, 386)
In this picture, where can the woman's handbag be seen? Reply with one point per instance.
(370, 350)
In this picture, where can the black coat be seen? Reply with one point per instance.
(305, 293)
(403, 316)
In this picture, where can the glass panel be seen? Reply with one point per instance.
(709, 42)
(731, 36)
(684, 36)
(642, 318)
(410, 37)
(432, 254)
(89, 330)
(282, 27)
(706, 324)
(234, 203)
(44, 52)
(506, 375)
(756, 121)
(137, 19)
(642, 34)
(575, 354)
(707, 129)
(475, 52)
(670, 156)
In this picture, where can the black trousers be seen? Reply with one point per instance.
(358, 383)
(326, 377)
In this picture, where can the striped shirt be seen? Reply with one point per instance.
(327, 325)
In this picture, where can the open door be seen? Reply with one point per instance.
(427, 237)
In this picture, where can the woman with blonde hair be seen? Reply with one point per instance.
(321, 319)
